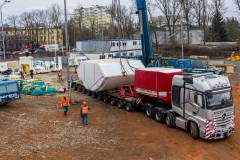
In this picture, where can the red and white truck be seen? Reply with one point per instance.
(200, 104)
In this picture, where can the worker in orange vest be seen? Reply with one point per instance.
(84, 113)
(65, 104)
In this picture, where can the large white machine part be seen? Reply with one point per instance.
(101, 75)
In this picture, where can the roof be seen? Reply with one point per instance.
(162, 70)
(104, 40)
(7, 82)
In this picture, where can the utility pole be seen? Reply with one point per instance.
(204, 21)
(67, 51)
(2, 28)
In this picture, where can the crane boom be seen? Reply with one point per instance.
(146, 37)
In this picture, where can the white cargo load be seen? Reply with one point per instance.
(102, 75)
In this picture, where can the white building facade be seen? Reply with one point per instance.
(98, 49)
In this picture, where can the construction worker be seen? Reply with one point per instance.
(60, 76)
(31, 74)
(84, 113)
(65, 104)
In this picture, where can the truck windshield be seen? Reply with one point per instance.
(219, 100)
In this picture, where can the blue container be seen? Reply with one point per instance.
(184, 63)
(173, 63)
(197, 64)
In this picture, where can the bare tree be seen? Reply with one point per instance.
(122, 20)
(153, 22)
(171, 10)
(56, 18)
(13, 21)
(237, 2)
(92, 22)
(187, 7)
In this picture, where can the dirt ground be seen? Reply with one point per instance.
(35, 128)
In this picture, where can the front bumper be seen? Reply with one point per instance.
(219, 133)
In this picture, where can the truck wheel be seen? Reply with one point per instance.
(159, 117)
(113, 102)
(148, 110)
(94, 95)
(129, 107)
(89, 93)
(79, 89)
(194, 131)
(105, 99)
(84, 91)
(120, 104)
(170, 120)
(99, 97)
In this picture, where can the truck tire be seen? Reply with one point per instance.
(79, 89)
(120, 104)
(194, 131)
(159, 117)
(99, 97)
(94, 95)
(129, 107)
(84, 91)
(113, 102)
(105, 99)
(170, 120)
(148, 110)
(88, 93)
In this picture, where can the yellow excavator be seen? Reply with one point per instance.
(234, 57)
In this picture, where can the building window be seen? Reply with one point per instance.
(113, 44)
(134, 43)
(131, 54)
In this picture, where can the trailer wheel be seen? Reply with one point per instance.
(84, 91)
(99, 97)
(148, 110)
(94, 95)
(170, 120)
(194, 131)
(159, 117)
(120, 104)
(79, 89)
(113, 102)
(129, 107)
(89, 93)
(105, 99)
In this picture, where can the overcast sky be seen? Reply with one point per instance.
(19, 6)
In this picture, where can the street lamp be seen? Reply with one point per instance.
(67, 50)
(3, 35)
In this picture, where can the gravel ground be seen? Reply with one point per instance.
(35, 128)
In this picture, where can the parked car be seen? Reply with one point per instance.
(40, 51)
(17, 53)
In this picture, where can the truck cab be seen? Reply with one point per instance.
(9, 91)
(203, 105)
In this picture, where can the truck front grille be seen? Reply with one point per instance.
(223, 120)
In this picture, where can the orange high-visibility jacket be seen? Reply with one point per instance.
(64, 102)
(85, 110)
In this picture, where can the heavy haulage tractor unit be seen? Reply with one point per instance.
(201, 104)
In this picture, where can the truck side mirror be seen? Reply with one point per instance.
(188, 79)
